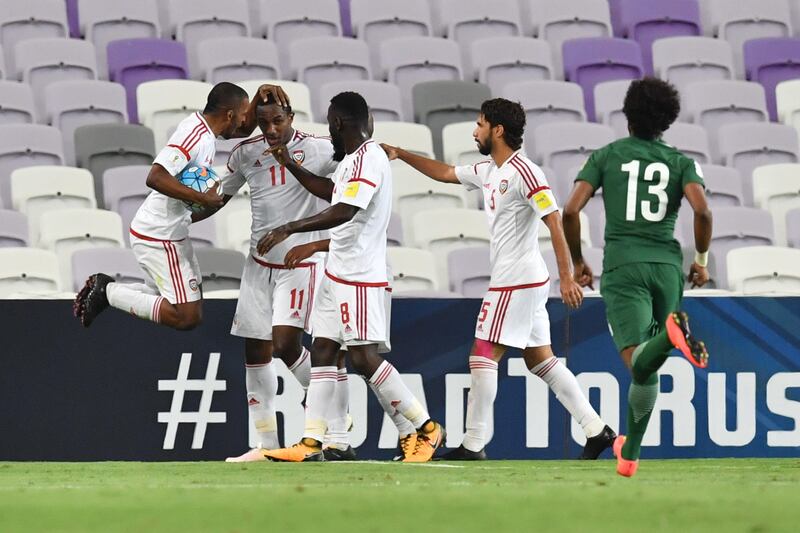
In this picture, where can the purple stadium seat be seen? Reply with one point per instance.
(690, 139)
(133, 61)
(594, 60)
(645, 21)
(124, 190)
(344, 11)
(793, 227)
(73, 21)
(394, 234)
(25, 145)
(13, 229)
(119, 263)
(771, 61)
(723, 186)
(469, 271)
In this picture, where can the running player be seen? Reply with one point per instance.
(350, 307)
(159, 232)
(513, 313)
(643, 181)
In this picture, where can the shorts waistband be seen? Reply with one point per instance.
(518, 287)
(280, 267)
(152, 239)
(357, 283)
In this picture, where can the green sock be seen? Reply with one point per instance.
(649, 356)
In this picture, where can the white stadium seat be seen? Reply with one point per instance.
(237, 231)
(413, 270)
(458, 144)
(164, 103)
(776, 188)
(415, 138)
(764, 270)
(28, 270)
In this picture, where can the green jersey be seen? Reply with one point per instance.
(642, 184)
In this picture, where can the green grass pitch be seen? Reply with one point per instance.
(749, 495)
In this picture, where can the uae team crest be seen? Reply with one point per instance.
(299, 156)
(503, 186)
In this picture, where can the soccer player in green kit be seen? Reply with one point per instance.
(643, 181)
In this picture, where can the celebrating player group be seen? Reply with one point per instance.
(318, 264)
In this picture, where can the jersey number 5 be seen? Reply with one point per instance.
(658, 190)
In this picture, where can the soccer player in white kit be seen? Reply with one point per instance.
(350, 305)
(159, 231)
(513, 314)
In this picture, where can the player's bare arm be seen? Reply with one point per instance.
(316, 185)
(264, 92)
(304, 251)
(197, 216)
(571, 292)
(698, 272)
(165, 183)
(430, 167)
(335, 215)
(580, 195)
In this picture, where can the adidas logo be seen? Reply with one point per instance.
(295, 315)
(253, 401)
(257, 163)
(480, 327)
(348, 329)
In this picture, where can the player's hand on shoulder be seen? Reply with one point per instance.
(271, 239)
(277, 93)
(297, 254)
(280, 153)
(391, 151)
(583, 275)
(571, 293)
(212, 198)
(698, 275)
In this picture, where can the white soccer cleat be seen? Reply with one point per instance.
(256, 454)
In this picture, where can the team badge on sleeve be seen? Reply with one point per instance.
(299, 156)
(503, 186)
(542, 200)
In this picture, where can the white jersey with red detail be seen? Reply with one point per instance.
(516, 195)
(276, 197)
(161, 217)
(357, 252)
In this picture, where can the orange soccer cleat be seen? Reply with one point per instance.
(427, 443)
(301, 452)
(681, 337)
(625, 467)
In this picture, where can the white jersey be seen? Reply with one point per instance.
(357, 252)
(516, 195)
(276, 197)
(161, 217)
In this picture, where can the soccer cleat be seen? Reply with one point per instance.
(596, 445)
(463, 454)
(80, 299)
(625, 467)
(332, 453)
(96, 300)
(405, 446)
(681, 337)
(427, 443)
(251, 456)
(300, 452)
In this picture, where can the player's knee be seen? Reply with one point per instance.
(286, 349)
(188, 320)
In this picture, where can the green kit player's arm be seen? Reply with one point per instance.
(698, 273)
(580, 195)
(430, 167)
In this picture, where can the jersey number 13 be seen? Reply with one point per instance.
(654, 211)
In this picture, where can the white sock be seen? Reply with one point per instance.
(135, 298)
(404, 427)
(302, 368)
(480, 402)
(321, 390)
(562, 382)
(262, 386)
(390, 385)
(337, 413)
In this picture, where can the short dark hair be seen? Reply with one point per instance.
(510, 115)
(272, 101)
(651, 106)
(224, 97)
(351, 105)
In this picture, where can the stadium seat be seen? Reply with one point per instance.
(37, 190)
(743, 20)
(102, 21)
(764, 270)
(71, 104)
(591, 256)
(20, 21)
(684, 60)
(776, 188)
(298, 93)
(163, 104)
(723, 186)
(547, 101)
(499, 61)
(407, 61)
(13, 229)
(316, 129)
(439, 103)
(220, 269)
(646, 21)
(413, 270)
(609, 97)
(787, 98)
(236, 59)
(99, 147)
(458, 145)
(563, 146)
(384, 99)
(754, 146)
(203, 234)
(771, 61)
(375, 22)
(546, 241)
(469, 271)
(16, 103)
(413, 137)
(124, 190)
(24, 145)
(793, 227)
(133, 61)
(28, 270)
(691, 140)
(712, 104)
(590, 61)
(68, 230)
(319, 60)
(237, 224)
(394, 233)
(119, 263)
(41, 62)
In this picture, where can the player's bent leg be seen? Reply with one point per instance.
(625, 467)
(100, 292)
(337, 440)
(287, 345)
(183, 317)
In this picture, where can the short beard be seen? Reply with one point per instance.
(485, 149)
(338, 151)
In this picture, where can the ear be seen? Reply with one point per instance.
(499, 131)
(338, 124)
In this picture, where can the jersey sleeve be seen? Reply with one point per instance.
(359, 189)
(179, 151)
(233, 181)
(691, 172)
(473, 176)
(533, 187)
(592, 170)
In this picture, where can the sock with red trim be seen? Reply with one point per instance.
(565, 386)
(135, 298)
(337, 413)
(301, 369)
(321, 390)
(261, 382)
(404, 426)
(480, 402)
(390, 385)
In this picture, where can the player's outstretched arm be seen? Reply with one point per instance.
(698, 272)
(165, 183)
(304, 251)
(430, 167)
(197, 216)
(335, 215)
(316, 185)
(580, 195)
(571, 292)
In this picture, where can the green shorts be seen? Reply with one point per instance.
(638, 298)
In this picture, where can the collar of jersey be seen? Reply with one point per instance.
(513, 154)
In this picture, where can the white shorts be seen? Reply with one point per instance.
(352, 314)
(172, 267)
(272, 295)
(515, 317)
